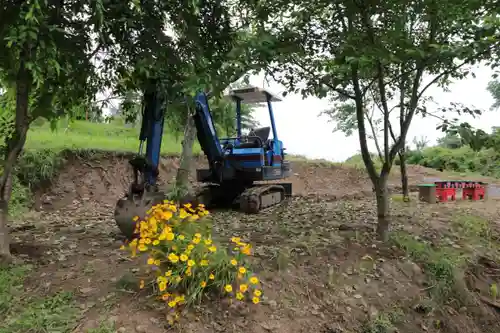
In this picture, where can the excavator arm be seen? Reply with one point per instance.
(144, 192)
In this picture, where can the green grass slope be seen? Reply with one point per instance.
(85, 135)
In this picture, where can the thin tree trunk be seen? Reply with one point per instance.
(182, 178)
(383, 215)
(5, 256)
(15, 145)
(404, 175)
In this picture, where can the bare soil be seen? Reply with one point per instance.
(321, 268)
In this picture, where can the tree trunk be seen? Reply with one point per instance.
(182, 178)
(404, 176)
(15, 145)
(383, 215)
(5, 256)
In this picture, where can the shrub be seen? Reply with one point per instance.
(462, 159)
(184, 263)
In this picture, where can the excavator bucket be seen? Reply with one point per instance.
(132, 206)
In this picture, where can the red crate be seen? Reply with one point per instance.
(474, 193)
(444, 193)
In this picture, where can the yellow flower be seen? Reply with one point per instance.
(141, 284)
(197, 235)
(254, 280)
(142, 248)
(242, 270)
(203, 284)
(168, 273)
(243, 288)
(173, 258)
(183, 214)
(181, 237)
(188, 271)
(151, 261)
(239, 296)
(188, 205)
(191, 263)
(147, 241)
(204, 262)
(122, 247)
(208, 241)
(165, 296)
(166, 215)
(212, 248)
(228, 288)
(255, 300)
(172, 304)
(157, 262)
(257, 292)
(156, 242)
(178, 279)
(246, 250)
(183, 257)
(135, 218)
(170, 236)
(234, 262)
(190, 247)
(235, 239)
(211, 277)
(162, 286)
(196, 240)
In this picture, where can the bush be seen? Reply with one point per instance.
(464, 159)
(184, 263)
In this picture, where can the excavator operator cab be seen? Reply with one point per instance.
(257, 138)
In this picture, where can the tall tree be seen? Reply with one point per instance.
(46, 51)
(398, 48)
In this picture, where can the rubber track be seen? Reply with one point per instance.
(250, 201)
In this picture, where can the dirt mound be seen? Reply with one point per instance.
(105, 177)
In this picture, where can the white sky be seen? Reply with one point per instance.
(304, 132)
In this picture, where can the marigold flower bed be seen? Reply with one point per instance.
(184, 263)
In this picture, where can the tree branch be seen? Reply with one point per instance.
(374, 133)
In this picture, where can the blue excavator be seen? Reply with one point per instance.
(242, 171)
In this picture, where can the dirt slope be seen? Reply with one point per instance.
(104, 178)
(320, 267)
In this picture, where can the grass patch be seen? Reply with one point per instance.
(399, 198)
(104, 327)
(96, 136)
(21, 313)
(441, 265)
(11, 282)
(384, 322)
(472, 226)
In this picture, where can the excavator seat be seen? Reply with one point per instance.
(254, 135)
